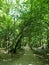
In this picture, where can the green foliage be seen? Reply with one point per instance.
(29, 18)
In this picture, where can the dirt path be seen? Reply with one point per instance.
(28, 58)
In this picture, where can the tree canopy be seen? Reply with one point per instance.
(26, 20)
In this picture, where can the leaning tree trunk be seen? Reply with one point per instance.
(18, 41)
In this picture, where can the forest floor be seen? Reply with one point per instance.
(27, 58)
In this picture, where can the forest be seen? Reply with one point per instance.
(24, 32)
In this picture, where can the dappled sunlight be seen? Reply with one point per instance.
(23, 57)
(27, 58)
(46, 64)
(46, 59)
(24, 32)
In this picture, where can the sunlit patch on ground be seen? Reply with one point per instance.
(46, 64)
